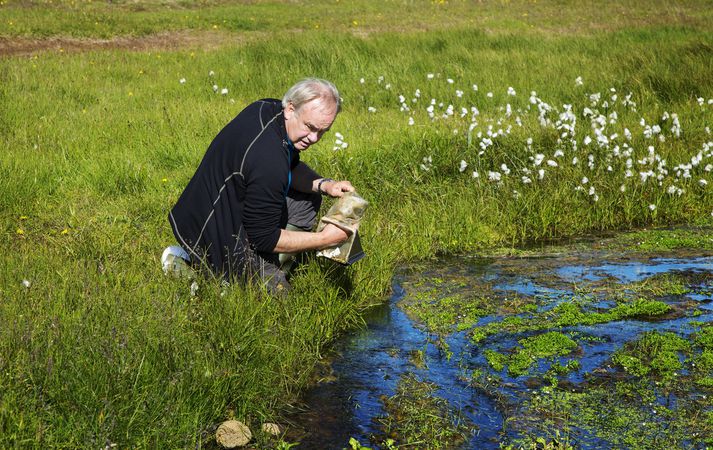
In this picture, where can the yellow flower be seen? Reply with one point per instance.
(164, 180)
(354, 22)
(65, 231)
(23, 217)
(20, 231)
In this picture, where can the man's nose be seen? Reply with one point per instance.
(313, 137)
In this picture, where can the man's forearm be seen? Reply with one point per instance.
(299, 241)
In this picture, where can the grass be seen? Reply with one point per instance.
(97, 145)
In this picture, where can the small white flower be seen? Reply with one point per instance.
(215, 88)
(361, 80)
(585, 180)
(511, 91)
(371, 109)
(224, 91)
(194, 289)
(552, 163)
(652, 207)
(578, 81)
(459, 93)
(411, 121)
(489, 95)
(475, 87)
(541, 174)
(182, 81)
(26, 283)
(430, 76)
(462, 166)
(211, 73)
(475, 174)
(702, 182)
(526, 180)
(450, 81)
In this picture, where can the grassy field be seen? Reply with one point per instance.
(106, 109)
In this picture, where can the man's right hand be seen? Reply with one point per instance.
(333, 235)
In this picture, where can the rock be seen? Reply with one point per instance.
(271, 428)
(232, 434)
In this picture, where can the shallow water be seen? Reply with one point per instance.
(371, 362)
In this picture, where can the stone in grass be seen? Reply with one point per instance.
(271, 429)
(232, 434)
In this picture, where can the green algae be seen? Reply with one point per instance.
(571, 314)
(444, 307)
(543, 346)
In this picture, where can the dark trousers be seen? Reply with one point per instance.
(302, 210)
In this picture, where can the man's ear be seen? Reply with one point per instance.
(289, 111)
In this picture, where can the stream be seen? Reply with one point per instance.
(561, 396)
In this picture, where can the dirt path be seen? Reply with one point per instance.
(204, 40)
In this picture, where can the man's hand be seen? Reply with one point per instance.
(336, 188)
(333, 235)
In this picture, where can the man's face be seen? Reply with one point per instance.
(306, 126)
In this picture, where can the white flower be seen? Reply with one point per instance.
(475, 87)
(494, 176)
(587, 140)
(541, 174)
(475, 174)
(511, 91)
(578, 81)
(450, 81)
(489, 95)
(591, 190)
(526, 180)
(361, 80)
(224, 91)
(182, 81)
(211, 73)
(702, 182)
(652, 207)
(505, 169)
(575, 161)
(338, 135)
(26, 283)
(622, 188)
(538, 159)
(552, 163)
(462, 166)
(459, 93)
(215, 88)
(430, 76)
(371, 109)
(411, 121)
(585, 180)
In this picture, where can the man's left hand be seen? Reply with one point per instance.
(337, 188)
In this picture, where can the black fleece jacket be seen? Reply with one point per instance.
(235, 203)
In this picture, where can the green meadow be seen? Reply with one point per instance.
(468, 126)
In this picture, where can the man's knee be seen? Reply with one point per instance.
(302, 209)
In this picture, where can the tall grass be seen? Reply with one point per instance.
(101, 348)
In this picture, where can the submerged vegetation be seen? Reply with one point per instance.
(472, 126)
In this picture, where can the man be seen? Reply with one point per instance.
(233, 216)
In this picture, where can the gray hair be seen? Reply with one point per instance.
(304, 91)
